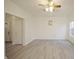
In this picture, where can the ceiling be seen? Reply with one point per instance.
(31, 6)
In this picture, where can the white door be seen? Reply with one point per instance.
(17, 30)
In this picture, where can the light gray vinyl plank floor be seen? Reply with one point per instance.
(44, 49)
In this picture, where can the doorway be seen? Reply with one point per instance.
(13, 29)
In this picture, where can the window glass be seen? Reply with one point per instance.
(71, 29)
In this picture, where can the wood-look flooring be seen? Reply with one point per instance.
(42, 49)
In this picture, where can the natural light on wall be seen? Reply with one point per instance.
(71, 30)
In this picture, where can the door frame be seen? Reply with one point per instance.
(21, 26)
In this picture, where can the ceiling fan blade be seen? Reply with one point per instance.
(46, 5)
(57, 6)
(50, 0)
(41, 5)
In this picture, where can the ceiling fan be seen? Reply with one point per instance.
(50, 6)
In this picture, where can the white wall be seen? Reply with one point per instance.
(37, 27)
(14, 9)
(42, 30)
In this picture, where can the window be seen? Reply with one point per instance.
(71, 29)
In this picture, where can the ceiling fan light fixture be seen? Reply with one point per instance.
(51, 6)
(49, 9)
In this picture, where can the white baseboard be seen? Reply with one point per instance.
(39, 39)
(27, 42)
(70, 42)
(50, 39)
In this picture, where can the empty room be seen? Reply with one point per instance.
(39, 29)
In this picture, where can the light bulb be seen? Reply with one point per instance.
(47, 9)
(51, 9)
